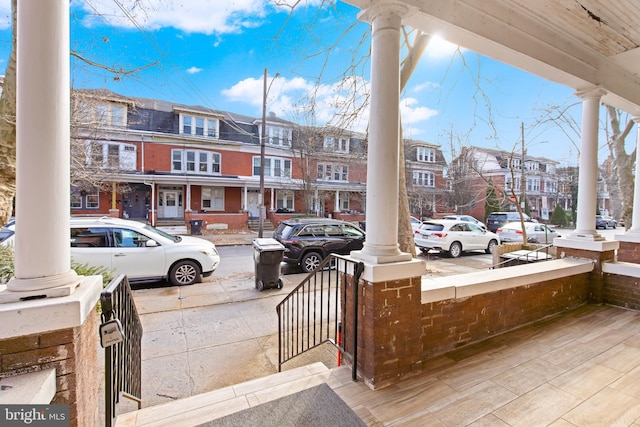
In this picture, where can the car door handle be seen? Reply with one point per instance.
(120, 254)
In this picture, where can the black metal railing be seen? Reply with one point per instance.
(123, 359)
(313, 313)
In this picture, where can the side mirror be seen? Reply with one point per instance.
(151, 243)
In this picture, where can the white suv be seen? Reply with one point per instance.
(141, 251)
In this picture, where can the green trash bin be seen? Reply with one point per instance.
(267, 256)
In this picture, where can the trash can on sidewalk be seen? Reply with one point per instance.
(196, 226)
(267, 256)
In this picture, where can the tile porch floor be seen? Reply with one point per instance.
(581, 368)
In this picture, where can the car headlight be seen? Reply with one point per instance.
(209, 251)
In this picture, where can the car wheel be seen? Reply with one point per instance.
(184, 273)
(491, 246)
(425, 251)
(260, 285)
(310, 261)
(455, 250)
(280, 283)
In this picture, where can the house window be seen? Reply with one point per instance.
(344, 201)
(213, 198)
(215, 163)
(200, 126)
(273, 167)
(195, 161)
(278, 136)
(109, 155)
(111, 114)
(424, 179)
(514, 164)
(333, 172)
(533, 184)
(83, 199)
(426, 155)
(284, 200)
(176, 160)
(340, 145)
(191, 161)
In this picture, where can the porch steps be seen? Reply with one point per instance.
(254, 225)
(199, 409)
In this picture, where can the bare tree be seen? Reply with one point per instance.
(8, 128)
(623, 162)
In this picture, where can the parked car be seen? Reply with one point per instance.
(536, 233)
(415, 223)
(308, 241)
(141, 251)
(467, 218)
(603, 221)
(496, 220)
(7, 232)
(454, 237)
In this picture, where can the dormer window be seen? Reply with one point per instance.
(426, 155)
(110, 114)
(336, 144)
(199, 126)
(277, 135)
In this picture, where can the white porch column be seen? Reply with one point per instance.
(381, 245)
(273, 199)
(336, 202)
(42, 251)
(188, 203)
(588, 171)
(245, 204)
(635, 217)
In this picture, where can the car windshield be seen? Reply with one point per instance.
(168, 236)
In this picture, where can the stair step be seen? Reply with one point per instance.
(201, 408)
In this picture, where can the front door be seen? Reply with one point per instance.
(170, 204)
(252, 205)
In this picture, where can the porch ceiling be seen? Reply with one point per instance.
(577, 43)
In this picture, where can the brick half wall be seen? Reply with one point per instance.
(452, 323)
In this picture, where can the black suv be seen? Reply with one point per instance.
(308, 241)
(496, 220)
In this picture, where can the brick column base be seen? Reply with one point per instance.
(390, 323)
(600, 252)
(72, 351)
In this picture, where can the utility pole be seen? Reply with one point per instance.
(261, 207)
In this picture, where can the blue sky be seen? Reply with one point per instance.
(213, 53)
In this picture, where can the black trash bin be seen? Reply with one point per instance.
(196, 226)
(267, 256)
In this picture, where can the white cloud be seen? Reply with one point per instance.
(342, 104)
(425, 86)
(193, 70)
(413, 113)
(192, 16)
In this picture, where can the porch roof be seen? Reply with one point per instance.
(580, 44)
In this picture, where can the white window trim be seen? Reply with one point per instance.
(205, 129)
(286, 172)
(213, 191)
(210, 155)
(334, 168)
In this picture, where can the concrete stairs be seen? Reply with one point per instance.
(201, 408)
